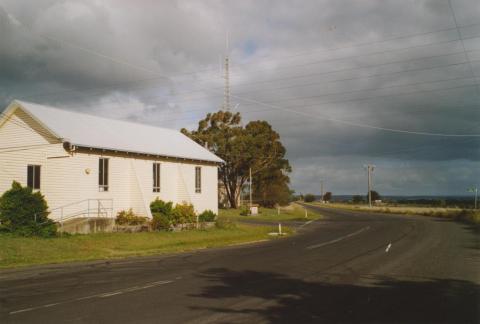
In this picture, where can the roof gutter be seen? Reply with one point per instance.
(73, 148)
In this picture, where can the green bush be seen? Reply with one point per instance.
(309, 198)
(183, 213)
(161, 222)
(207, 216)
(25, 212)
(244, 210)
(129, 218)
(162, 207)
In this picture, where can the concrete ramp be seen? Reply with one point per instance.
(87, 225)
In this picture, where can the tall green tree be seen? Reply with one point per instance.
(256, 146)
(271, 185)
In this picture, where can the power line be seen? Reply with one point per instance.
(312, 83)
(278, 107)
(291, 77)
(362, 125)
(462, 42)
(341, 100)
(401, 131)
(120, 61)
(256, 102)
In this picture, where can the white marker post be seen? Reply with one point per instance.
(279, 229)
(388, 247)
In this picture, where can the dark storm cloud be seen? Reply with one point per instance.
(135, 60)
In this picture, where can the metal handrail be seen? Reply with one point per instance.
(84, 212)
(78, 202)
(100, 209)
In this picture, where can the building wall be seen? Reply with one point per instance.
(68, 178)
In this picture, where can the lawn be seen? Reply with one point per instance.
(20, 251)
(293, 212)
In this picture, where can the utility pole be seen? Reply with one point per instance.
(369, 168)
(321, 189)
(475, 191)
(250, 189)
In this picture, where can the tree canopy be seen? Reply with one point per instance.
(327, 196)
(375, 195)
(256, 146)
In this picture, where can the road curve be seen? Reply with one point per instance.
(347, 268)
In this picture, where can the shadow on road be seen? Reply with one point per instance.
(278, 298)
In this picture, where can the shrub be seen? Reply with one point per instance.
(309, 198)
(129, 218)
(183, 213)
(161, 222)
(162, 215)
(207, 216)
(25, 212)
(357, 199)
(244, 210)
(159, 206)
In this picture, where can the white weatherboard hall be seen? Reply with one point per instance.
(91, 166)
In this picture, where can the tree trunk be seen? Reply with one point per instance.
(232, 198)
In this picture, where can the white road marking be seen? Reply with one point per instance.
(102, 295)
(338, 239)
(22, 310)
(307, 223)
(388, 247)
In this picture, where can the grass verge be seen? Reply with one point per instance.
(22, 251)
(293, 212)
(467, 215)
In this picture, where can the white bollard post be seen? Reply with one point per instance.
(279, 229)
(306, 213)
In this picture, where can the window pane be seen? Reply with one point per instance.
(156, 177)
(36, 177)
(30, 176)
(103, 174)
(105, 178)
(100, 172)
(198, 179)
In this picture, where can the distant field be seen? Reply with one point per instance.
(456, 213)
(21, 251)
(293, 212)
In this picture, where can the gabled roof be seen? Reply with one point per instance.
(110, 134)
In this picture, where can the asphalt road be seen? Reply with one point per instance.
(349, 267)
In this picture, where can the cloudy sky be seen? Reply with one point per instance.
(345, 83)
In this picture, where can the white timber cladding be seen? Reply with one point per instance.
(71, 176)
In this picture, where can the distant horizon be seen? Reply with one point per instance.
(406, 196)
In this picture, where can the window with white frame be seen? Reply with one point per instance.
(33, 176)
(198, 179)
(103, 174)
(156, 177)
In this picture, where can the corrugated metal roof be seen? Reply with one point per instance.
(104, 133)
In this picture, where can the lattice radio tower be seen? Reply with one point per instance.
(226, 76)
